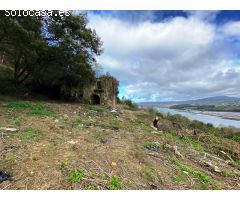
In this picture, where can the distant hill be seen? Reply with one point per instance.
(205, 101)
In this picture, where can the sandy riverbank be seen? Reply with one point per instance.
(224, 115)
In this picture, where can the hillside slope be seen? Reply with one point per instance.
(71, 146)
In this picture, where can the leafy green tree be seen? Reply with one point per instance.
(50, 51)
(20, 39)
(73, 47)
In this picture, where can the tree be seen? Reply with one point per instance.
(75, 47)
(20, 39)
(50, 51)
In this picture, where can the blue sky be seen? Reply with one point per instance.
(170, 55)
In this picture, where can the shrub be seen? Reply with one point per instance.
(129, 103)
(76, 176)
(115, 183)
(148, 172)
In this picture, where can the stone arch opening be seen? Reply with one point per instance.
(95, 99)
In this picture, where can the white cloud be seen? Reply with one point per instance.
(203, 14)
(178, 58)
(232, 29)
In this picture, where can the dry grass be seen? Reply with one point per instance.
(47, 149)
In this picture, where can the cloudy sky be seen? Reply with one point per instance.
(170, 55)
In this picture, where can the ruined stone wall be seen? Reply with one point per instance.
(110, 87)
(105, 89)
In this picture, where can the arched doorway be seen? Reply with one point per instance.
(95, 99)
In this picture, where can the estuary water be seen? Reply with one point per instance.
(196, 115)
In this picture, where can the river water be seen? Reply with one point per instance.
(195, 115)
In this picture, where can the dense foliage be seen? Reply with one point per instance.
(129, 104)
(47, 52)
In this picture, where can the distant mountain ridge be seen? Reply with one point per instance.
(204, 101)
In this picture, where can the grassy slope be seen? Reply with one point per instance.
(72, 146)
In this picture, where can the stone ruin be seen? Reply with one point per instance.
(103, 91)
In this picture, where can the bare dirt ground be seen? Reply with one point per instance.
(72, 146)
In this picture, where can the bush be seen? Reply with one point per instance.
(115, 183)
(129, 103)
(76, 176)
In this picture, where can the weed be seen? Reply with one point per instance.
(200, 176)
(115, 183)
(185, 139)
(63, 165)
(148, 172)
(229, 174)
(92, 187)
(52, 144)
(179, 177)
(96, 108)
(77, 124)
(41, 110)
(19, 105)
(196, 145)
(34, 158)
(237, 162)
(140, 155)
(103, 176)
(31, 134)
(143, 125)
(13, 158)
(129, 104)
(19, 122)
(101, 136)
(92, 173)
(76, 176)
(111, 124)
(37, 109)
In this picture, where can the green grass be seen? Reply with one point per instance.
(143, 125)
(33, 109)
(31, 134)
(179, 177)
(92, 187)
(113, 124)
(41, 110)
(185, 139)
(115, 183)
(76, 176)
(19, 105)
(100, 136)
(206, 181)
(149, 173)
(97, 108)
(229, 174)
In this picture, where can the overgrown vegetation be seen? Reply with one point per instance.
(46, 54)
(76, 176)
(31, 134)
(115, 183)
(75, 149)
(128, 103)
(149, 174)
(206, 181)
(209, 130)
(34, 109)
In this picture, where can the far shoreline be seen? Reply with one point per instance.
(224, 115)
